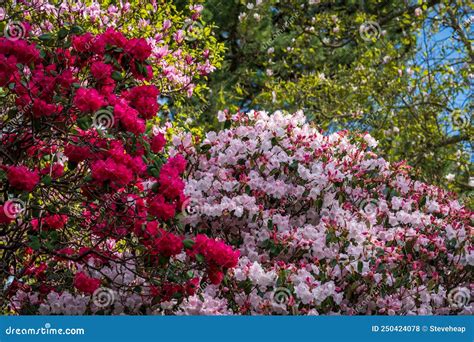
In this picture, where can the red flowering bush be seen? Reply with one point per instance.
(89, 199)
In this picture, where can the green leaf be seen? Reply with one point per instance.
(270, 224)
(153, 171)
(117, 76)
(423, 201)
(188, 243)
(200, 258)
(46, 180)
(155, 187)
(76, 29)
(84, 122)
(35, 243)
(62, 33)
(46, 37)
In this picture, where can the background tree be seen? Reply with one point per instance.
(400, 70)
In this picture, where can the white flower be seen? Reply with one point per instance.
(450, 177)
(370, 140)
(258, 276)
(221, 117)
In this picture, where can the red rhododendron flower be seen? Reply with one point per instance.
(168, 244)
(101, 71)
(56, 170)
(55, 221)
(157, 143)
(76, 153)
(86, 284)
(110, 170)
(215, 252)
(215, 276)
(161, 209)
(37, 271)
(128, 118)
(171, 186)
(42, 108)
(7, 69)
(65, 81)
(112, 37)
(21, 178)
(138, 48)
(4, 219)
(83, 43)
(192, 286)
(88, 100)
(144, 99)
(178, 163)
(106, 192)
(24, 52)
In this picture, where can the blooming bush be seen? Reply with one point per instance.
(183, 50)
(98, 215)
(323, 225)
(89, 198)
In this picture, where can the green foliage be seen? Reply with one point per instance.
(399, 70)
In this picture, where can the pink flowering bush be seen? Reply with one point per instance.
(323, 225)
